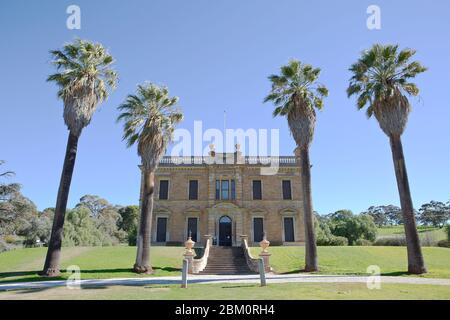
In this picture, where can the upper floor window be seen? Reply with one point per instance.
(257, 190)
(225, 190)
(287, 191)
(164, 189)
(193, 189)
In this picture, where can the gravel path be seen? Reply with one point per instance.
(202, 279)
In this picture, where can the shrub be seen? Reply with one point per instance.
(10, 239)
(391, 241)
(353, 227)
(444, 244)
(448, 232)
(363, 242)
(132, 236)
(174, 243)
(3, 245)
(338, 241)
(429, 240)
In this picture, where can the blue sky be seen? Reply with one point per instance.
(216, 55)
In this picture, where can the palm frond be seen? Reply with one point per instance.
(150, 117)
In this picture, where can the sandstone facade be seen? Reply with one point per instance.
(223, 201)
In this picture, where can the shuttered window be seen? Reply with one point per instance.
(161, 229)
(287, 192)
(257, 190)
(258, 229)
(193, 189)
(192, 228)
(289, 229)
(164, 189)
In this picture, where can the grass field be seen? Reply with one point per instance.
(286, 291)
(433, 233)
(116, 262)
(94, 262)
(355, 260)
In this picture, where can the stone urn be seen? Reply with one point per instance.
(189, 244)
(264, 244)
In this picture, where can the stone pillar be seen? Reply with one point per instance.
(265, 256)
(189, 256)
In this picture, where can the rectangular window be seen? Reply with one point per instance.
(225, 185)
(289, 229)
(233, 190)
(287, 192)
(192, 228)
(164, 189)
(161, 229)
(225, 190)
(193, 189)
(217, 189)
(257, 190)
(258, 229)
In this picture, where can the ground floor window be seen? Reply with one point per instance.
(258, 229)
(161, 229)
(192, 228)
(289, 229)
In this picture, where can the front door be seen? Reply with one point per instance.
(225, 231)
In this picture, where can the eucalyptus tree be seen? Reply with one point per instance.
(296, 94)
(149, 117)
(381, 81)
(84, 77)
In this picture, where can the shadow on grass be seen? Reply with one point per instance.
(349, 274)
(32, 275)
(241, 286)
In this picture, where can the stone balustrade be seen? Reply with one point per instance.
(197, 265)
(253, 262)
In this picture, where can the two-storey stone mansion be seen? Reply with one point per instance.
(226, 195)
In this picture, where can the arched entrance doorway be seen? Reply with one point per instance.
(225, 228)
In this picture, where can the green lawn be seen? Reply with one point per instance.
(355, 260)
(286, 291)
(94, 262)
(115, 262)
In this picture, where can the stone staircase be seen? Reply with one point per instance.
(226, 260)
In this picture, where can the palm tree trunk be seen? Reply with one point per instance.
(311, 263)
(143, 264)
(416, 263)
(51, 266)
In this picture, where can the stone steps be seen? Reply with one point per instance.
(226, 261)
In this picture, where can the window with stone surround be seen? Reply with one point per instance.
(287, 191)
(163, 189)
(193, 189)
(257, 190)
(225, 189)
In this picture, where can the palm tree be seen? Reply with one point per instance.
(381, 80)
(84, 76)
(149, 119)
(296, 94)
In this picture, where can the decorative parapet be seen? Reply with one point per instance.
(252, 263)
(197, 265)
(228, 158)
